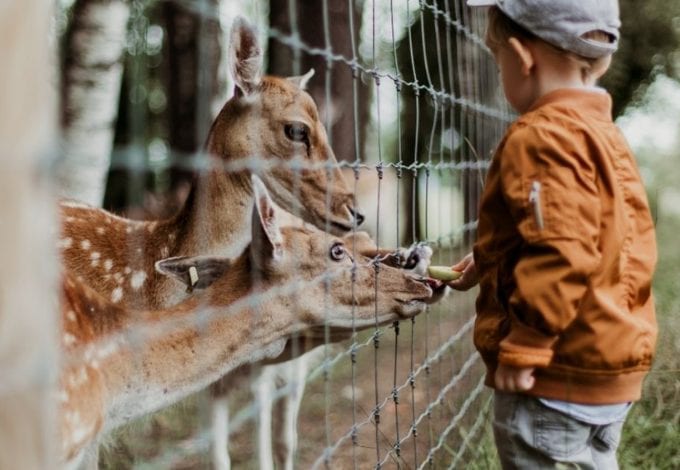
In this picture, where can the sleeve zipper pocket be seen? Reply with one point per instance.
(535, 200)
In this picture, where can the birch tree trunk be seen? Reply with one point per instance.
(91, 78)
(28, 300)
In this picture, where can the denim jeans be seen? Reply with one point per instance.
(529, 435)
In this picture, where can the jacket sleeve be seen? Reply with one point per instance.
(548, 182)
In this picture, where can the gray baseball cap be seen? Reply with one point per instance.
(563, 23)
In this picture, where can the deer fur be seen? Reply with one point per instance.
(122, 363)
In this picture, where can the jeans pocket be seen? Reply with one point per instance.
(607, 438)
(557, 435)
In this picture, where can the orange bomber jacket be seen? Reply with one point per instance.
(566, 252)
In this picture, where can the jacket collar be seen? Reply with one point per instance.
(594, 101)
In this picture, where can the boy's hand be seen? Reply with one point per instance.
(469, 278)
(513, 379)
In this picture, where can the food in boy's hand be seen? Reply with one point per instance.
(443, 273)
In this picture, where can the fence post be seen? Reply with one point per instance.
(28, 304)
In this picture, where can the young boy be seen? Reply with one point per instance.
(566, 247)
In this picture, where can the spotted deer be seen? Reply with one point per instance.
(121, 363)
(271, 122)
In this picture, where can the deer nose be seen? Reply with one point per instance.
(358, 216)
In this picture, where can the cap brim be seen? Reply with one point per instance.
(481, 3)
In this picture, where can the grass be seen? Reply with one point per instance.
(652, 433)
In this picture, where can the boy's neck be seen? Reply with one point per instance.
(555, 72)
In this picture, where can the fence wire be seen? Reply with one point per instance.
(410, 395)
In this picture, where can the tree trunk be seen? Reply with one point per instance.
(188, 73)
(339, 111)
(91, 78)
(193, 55)
(28, 315)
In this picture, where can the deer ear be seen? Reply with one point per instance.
(267, 241)
(302, 80)
(245, 56)
(196, 272)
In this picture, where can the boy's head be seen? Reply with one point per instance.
(565, 35)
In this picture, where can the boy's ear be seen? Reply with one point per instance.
(267, 241)
(196, 272)
(524, 54)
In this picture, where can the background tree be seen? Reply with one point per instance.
(286, 61)
(171, 93)
(649, 46)
(90, 87)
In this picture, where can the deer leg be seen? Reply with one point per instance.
(297, 372)
(219, 415)
(263, 389)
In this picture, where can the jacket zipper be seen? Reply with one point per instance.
(535, 200)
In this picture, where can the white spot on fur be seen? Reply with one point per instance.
(137, 279)
(94, 256)
(65, 243)
(85, 244)
(81, 433)
(100, 230)
(70, 219)
(116, 294)
(108, 264)
(127, 270)
(78, 378)
(75, 204)
(69, 339)
(151, 227)
(71, 315)
(128, 229)
(165, 252)
(72, 417)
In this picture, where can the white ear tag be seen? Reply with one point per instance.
(193, 275)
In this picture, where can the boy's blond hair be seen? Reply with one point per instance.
(500, 28)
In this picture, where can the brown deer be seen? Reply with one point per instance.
(271, 122)
(122, 363)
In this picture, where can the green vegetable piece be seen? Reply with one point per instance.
(443, 273)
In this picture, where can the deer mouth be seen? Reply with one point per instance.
(411, 308)
(340, 228)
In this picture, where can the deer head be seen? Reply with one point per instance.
(276, 120)
(331, 278)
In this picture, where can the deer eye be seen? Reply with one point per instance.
(337, 252)
(297, 132)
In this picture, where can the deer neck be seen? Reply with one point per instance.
(205, 342)
(216, 216)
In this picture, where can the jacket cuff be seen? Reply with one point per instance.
(525, 347)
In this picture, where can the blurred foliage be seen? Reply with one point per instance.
(649, 45)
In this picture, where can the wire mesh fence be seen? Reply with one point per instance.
(408, 94)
